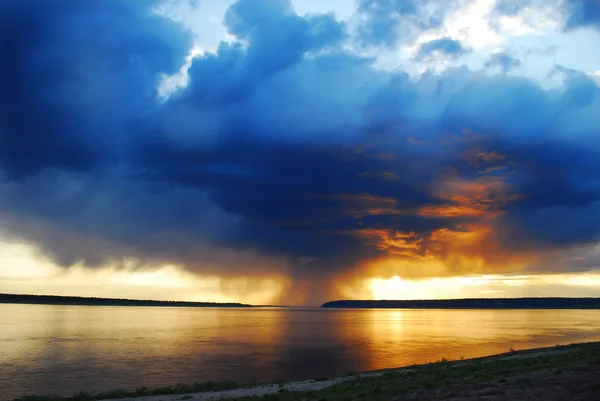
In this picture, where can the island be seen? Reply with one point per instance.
(472, 303)
(92, 301)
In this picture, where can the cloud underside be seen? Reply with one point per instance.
(285, 152)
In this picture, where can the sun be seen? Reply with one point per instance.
(396, 283)
(392, 288)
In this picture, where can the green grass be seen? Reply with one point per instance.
(389, 383)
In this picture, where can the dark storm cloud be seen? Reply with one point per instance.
(103, 219)
(283, 144)
(295, 198)
(72, 74)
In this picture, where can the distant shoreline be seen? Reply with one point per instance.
(467, 303)
(471, 303)
(93, 301)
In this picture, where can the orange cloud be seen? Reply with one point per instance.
(469, 243)
(386, 175)
(482, 197)
(394, 242)
(367, 198)
(361, 205)
(453, 211)
(470, 247)
(474, 249)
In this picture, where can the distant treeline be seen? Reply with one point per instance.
(60, 300)
(475, 303)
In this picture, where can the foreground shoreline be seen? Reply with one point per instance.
(555, 373)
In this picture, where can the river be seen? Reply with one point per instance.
(61, 350)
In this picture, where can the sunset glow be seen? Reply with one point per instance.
(486, 286)
(212, 192)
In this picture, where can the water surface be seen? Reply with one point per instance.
(47, 349)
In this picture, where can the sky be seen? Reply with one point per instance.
(299, 151)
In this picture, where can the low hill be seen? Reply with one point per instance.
(60, 300)
(474, 303)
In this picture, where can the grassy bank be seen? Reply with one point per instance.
(570, 368)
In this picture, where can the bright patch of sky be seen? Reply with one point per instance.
(24, 271)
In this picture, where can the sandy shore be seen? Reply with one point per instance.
(558, 373)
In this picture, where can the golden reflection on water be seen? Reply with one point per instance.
(404, 337)
(66, 349)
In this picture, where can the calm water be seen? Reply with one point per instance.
(66, 349)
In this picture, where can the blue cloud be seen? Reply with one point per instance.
(283, 143)
(444, 46)
(388, 22)
(577, 13)
(277, 40)
(381, 19)
(583, 13)
(505, 62)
